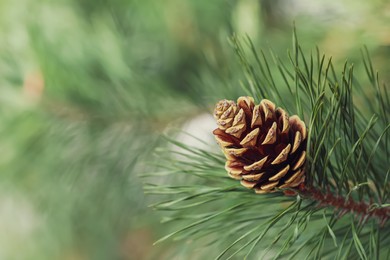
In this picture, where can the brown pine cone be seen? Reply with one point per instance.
(264, 147)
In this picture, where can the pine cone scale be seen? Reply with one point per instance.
(283, 155)
(269, 185)
(252, 177)
(280, 174)
(250, 140)
(300, 161)
(256, 165)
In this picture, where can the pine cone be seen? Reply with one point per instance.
(264, 147)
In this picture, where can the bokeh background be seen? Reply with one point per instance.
(87, 88)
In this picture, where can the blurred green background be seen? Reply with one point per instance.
(88, 87)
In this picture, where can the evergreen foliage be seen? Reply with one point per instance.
(343, 211)
(88, 86)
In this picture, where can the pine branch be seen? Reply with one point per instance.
(345, 205)
(345, 197)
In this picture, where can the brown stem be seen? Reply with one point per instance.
(346, 205)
